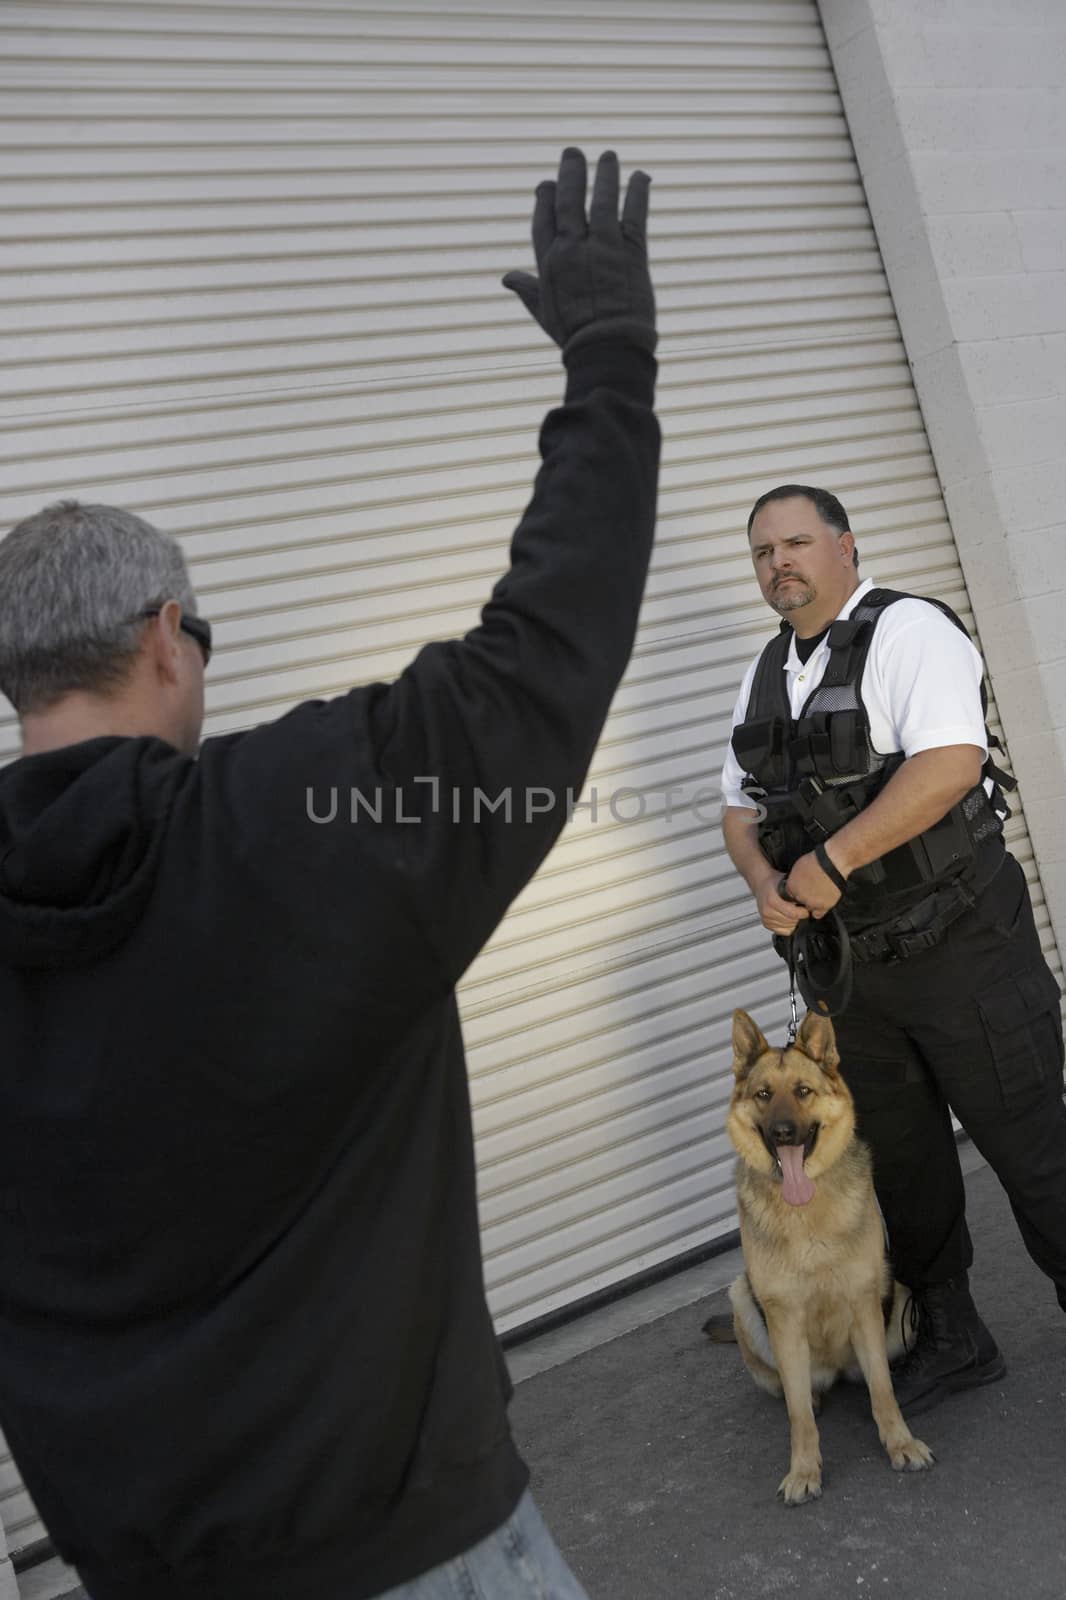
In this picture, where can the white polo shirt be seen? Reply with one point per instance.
(921, 685)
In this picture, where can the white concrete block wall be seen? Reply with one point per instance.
(957, 110)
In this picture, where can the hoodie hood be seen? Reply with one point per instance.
(80, 834)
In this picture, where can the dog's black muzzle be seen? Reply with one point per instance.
(788, 1133)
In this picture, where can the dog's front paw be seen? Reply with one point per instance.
(802, 1483)
(911, 1455)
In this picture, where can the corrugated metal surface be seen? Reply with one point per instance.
(249, 290)
(18, 1515)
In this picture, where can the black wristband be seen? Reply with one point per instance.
(822, 856)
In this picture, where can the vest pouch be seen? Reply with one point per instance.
(941, 853)
(904, 870)
(777, 807)
(808, 748)
(830, 744)
(871, 876)
(945, 849)
(759, 747)
(783, 842)
(823, 810)
(983, 817)
(848, 750)
(780, 831)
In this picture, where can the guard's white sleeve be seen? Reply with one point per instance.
(732, 771)
(922, 683)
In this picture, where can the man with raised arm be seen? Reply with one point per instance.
(245, 1352)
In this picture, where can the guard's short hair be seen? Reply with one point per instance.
(74, 581)
(827, 505)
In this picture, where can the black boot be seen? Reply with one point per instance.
(953, 1349)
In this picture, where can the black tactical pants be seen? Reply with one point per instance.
(973, 1025)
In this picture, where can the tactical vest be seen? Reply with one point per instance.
(813, 773)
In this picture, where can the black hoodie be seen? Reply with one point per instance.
(244, 1347)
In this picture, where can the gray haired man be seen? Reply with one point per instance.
(245, 1352)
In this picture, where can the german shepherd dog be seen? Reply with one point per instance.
(812, 1301)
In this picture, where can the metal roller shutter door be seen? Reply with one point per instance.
(250, 291)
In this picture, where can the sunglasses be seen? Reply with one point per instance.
(195, 627)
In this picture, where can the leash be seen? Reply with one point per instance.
(790, 957)
(819, 964)
(793, 1026)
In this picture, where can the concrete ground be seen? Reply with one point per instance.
(655, 1459)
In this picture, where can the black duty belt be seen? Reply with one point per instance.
(917, 930)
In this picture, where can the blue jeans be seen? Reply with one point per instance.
(519, 1561)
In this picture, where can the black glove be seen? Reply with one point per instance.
(594, 280)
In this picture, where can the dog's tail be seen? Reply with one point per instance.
(719, 1328)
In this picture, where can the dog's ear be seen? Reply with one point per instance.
(748, 1044)
(817, 1040)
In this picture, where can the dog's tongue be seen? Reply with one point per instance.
(796, 1187)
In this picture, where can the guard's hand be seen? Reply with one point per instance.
(778, 914)
(593, 279)
(810, 884)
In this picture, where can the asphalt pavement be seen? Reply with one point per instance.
(656, 1460)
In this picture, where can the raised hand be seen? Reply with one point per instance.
(592, 277)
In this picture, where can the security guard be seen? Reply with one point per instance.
(858, 778)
